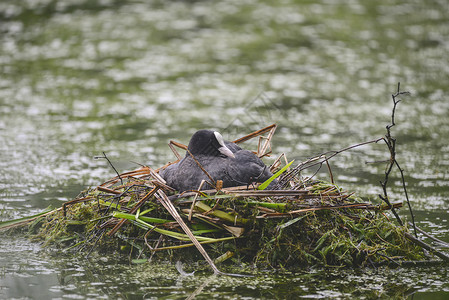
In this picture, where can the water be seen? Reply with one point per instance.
(124, 77)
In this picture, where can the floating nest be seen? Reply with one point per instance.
(303, 222)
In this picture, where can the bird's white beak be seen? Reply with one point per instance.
(225, 150)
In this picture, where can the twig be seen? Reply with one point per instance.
(406, 197)
(110, 163)
(159, 240)
(98, 236)
(442, 243)
(272, 127)
(146, 240)
(277, 162)
(304, 210)
(391, 144)
(261, 152)
(202, 169)
(171, 144)
(141, 172)
(319, 159)
(108, 190)
(74, 201)
(267, 193)
(427, 247)
(330, 171)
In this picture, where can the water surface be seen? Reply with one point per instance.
(79, 78)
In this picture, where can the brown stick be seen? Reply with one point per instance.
(442, 243)
(254, 134)
(108, 190)
(172, 143)
(303, 210)
(261, 152)
(136, 173)
(74, 201)
(427, 247)
(202, 169)
(391, 144)
(268, 193)
(330, 171)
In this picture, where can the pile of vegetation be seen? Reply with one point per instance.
(303, 222)
(314, 223)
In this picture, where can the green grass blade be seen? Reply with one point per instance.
(276, 206)
(203, 231)
(123, 215)
(278, 173)
(11, 223)
(173, 234)
(291, 222)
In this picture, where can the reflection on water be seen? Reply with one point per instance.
(44, 276)
(124, 77)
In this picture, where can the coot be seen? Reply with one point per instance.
(224, 161)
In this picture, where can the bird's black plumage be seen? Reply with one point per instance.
(224, 161)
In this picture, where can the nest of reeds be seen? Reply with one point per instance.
(304, 221)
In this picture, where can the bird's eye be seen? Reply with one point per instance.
(219, 138)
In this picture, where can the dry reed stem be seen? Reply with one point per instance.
(163, 199)
(352, 206)
(442, 243)
(194, 199)
(108, 190)
(172, 143)
(255, 133)
(426, 246)
(202, 169)
(277, 163)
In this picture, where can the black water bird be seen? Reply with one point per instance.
(221, 159)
